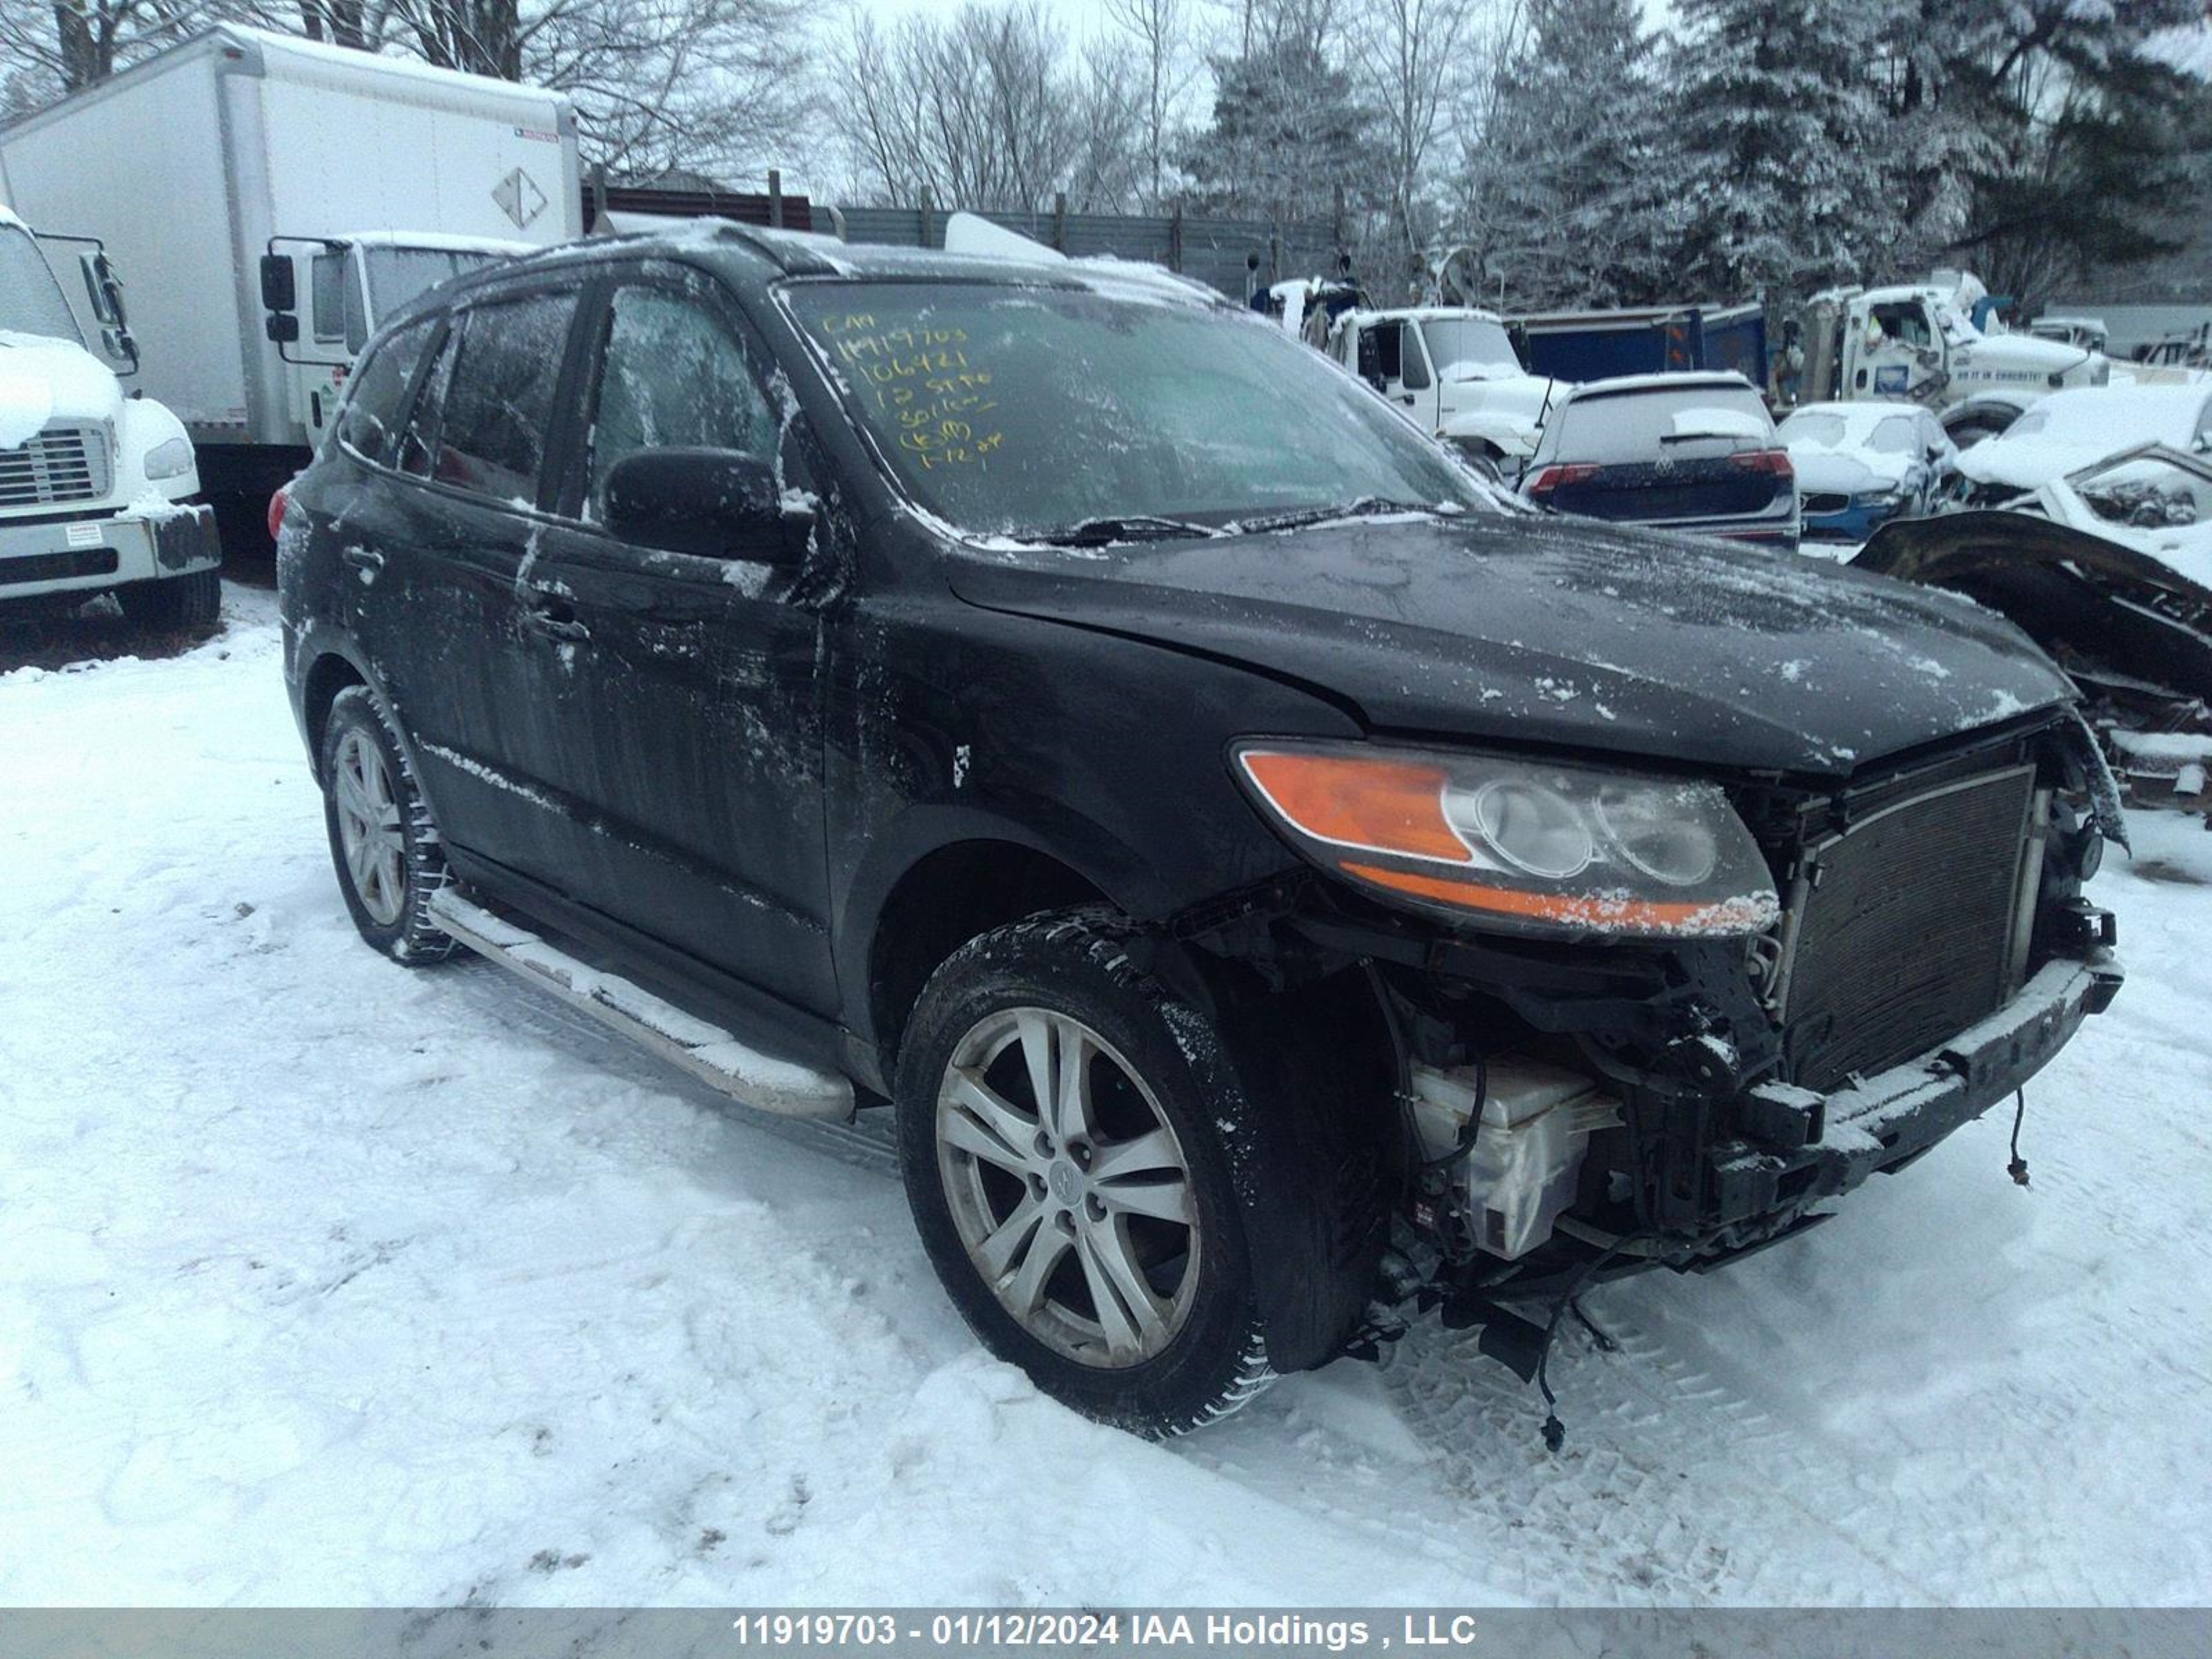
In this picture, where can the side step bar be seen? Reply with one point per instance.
(708, 1052)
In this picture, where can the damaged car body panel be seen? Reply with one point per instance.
(1529, 898)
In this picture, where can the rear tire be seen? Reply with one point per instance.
(1069, 1182)
(174, 604)
(383, 844)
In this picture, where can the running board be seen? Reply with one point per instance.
(708, 1052)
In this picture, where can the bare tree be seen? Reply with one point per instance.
(54, 47)
(984, 110)
(1413, 59)
(1161, 29)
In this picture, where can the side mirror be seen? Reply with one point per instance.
(280, 289)
(711, 503)
(283, 326)
(104, 288)
(116, 341)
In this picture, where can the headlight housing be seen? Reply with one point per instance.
(170, 459)
(1523, 845)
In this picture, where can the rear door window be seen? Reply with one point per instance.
(499, 397)
(673, 377)
(376, 402)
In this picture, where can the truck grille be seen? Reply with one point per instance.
(1906, 936)
(60, 464)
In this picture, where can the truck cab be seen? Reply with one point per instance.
(351, 283)
(1921, 344)
(93, 482)
(1453, 369)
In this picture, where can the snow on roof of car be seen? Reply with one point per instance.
(1425, 314)
(1696, 381)
(433, 241)
(1858, 418)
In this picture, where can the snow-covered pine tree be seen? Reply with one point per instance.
(1787, 143)
(1576, 186)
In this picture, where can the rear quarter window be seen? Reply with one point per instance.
(377, 402)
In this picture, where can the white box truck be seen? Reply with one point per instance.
(371, 178)
(93, 482)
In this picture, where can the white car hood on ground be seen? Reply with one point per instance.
(43, 380)
(1822, 471)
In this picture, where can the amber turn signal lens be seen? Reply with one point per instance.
(1388, 806)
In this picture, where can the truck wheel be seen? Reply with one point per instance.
(1065, 1172)
(382, 841)
(174, 603)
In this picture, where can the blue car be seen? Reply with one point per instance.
(1861, 465)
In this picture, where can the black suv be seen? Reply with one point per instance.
(1272, 878)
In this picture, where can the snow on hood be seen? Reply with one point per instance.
(44, 380)
(2067, 431)
(1562, 633)
(1499, 390)
(1825, 470)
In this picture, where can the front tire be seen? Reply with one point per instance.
(383, 844)
(1066, 1173)
(174, 604)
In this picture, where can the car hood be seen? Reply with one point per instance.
(2025, 463)
(1847, 471)
(1525, 630)
(1513, 394)
(44, 380)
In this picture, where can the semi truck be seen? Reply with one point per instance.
(94, 483)
(241, 174)
(1454, 370)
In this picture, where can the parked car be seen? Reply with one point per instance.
(1694, 453)
(1264, 877)
(2068, 430)
(1859, 465)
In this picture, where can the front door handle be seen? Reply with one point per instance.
(1406, 398)
(553, 619)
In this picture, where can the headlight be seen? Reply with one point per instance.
(1526, 846)
(1878, 498)
(170, 459)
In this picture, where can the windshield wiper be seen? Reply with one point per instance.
(1366, 505)
(1121, 527)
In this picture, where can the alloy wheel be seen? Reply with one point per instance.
(369, 832)
(1068, 1187)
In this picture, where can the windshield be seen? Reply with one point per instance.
(1643, 426)
(1008, 410)
(1467, 348)
(396, 275)
(1820, 431)
(31, 300)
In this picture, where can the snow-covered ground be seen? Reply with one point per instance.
(325, 1281)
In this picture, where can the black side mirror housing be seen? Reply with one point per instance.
(283, 326)
(104, 288)
(280, 289)
(710, 504)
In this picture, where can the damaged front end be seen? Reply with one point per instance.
(1602, 1093)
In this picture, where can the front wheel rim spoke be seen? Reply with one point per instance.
(992, 1109)
(1070, 1094)
(1046, 1245)
(969, 1134)
(1163, 1200)
(1129, 1320)
(996, 1253)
